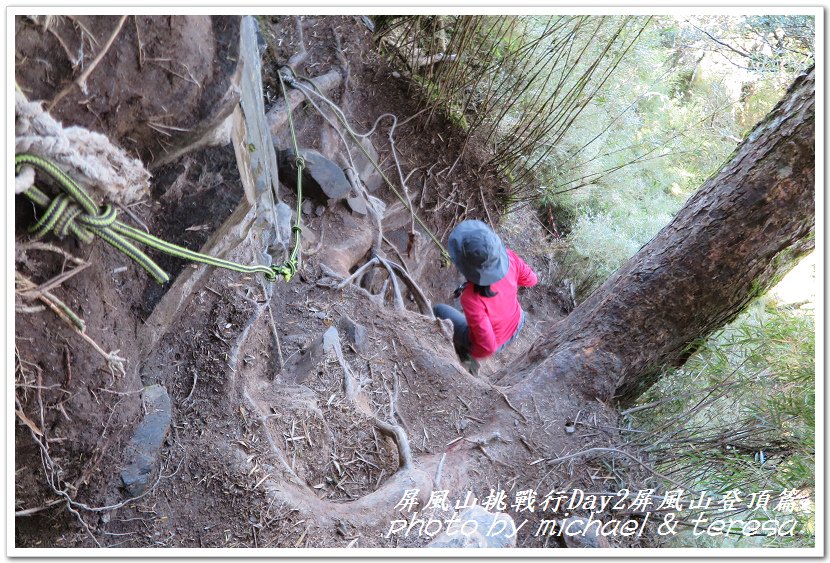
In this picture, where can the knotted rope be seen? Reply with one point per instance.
(74, 212)
(96, 162)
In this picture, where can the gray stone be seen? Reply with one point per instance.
(366, 171)
(308, 207)
(142, 451)
(357, 204)
(320, 210)
(331, 341)
(300, 367)
(378, 205)
(580, 537)
(322, 178)
(284, 215)
(354, 333)
(354, 240)
(490, 529)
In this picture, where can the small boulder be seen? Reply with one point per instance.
(300, 367)
(142, 451)
(581, 537)
(322, 178)
(308, 207)
(478, 527)
(366, 171)
(357, 204)
(354, 333)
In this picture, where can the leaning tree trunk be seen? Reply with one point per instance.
(744, 228)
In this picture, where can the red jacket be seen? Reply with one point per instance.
(494, 320)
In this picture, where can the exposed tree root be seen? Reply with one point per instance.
(395, 271)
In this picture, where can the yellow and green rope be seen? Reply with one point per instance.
(74, 212)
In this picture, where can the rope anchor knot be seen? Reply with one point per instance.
(64, 216)
(74, 212)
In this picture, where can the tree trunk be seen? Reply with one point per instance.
(740, 233)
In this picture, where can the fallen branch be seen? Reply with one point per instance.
(509, 404)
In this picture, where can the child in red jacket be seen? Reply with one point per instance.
(492, 316)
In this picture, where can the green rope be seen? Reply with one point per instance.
(445, 256)
(74, 212)
(293, 259)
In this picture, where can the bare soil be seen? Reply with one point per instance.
(253, 461)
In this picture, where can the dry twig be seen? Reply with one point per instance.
(81, 81)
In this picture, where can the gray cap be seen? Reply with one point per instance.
(478, 253)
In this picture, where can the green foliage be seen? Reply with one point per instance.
(670, 117)
(609, 124)
(740, 414)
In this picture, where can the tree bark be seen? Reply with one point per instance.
(740, 233)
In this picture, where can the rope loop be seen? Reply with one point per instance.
(287, 270)
(72, 211)
(65, 215)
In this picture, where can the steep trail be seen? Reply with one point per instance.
(276, 438)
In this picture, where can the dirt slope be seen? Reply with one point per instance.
(261, 453)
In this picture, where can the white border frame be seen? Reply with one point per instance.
(459, 7)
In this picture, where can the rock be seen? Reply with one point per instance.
(284, 215)
(396, 216)
(308, 207)
(366, 171)
(322, 178)
(357, 204)
(378, 205)
(297, 370)
(354, 240)
(320, 210)
(142, 451)
(331, 341)
(354, 333)
(579, 537)
(478, 527)
(309, 239)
